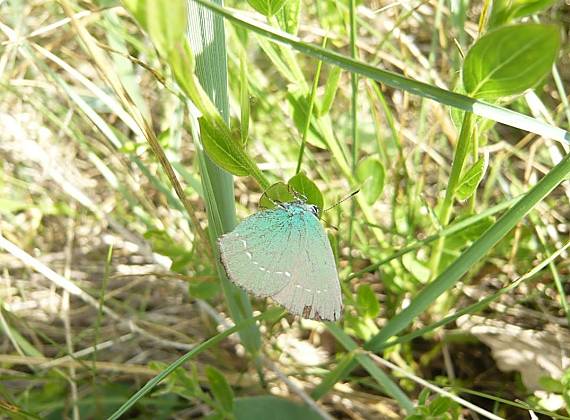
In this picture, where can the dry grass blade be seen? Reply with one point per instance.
(74, 290)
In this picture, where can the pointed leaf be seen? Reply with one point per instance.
(267, 7)
(222, 148)
(288, 16)
(138, 9)
(510, 60)
(331, 88)
(244, 99)
(277, 193)
(166, 22)
(471, 179)
(505, 10)
(220, 388)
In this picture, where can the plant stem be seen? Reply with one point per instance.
(475, 157)
(206, 34)
(310, 112)
(354, 129)
(447, 204)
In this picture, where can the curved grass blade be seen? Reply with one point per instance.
(149, 386)
(455, 271)
(481, 108)
(378, 374)
(206, 35)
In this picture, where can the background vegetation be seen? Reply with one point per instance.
(122, 124)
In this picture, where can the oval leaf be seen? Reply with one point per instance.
(220, 388)
(371, 173)
(510, 60)
(303, 185)
(366, 301)
(416, 268)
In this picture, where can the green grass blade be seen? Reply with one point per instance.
(448, 231)
(477, 306)
(179, 362)
(474, 253)
(378, 374)
(207, 38)
(458, 268)
(481, 108)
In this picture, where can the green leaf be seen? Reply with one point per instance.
(425, 90)
(220, 388)
(440, 406)
(366, 301)
(551, 385)
(277, 193)
(416, 268)
(166, 23)
(471, 179)
(270, 407)
(303, 185)
(205, 290)
(505, 10)
(423, 397)
(183, 64)
(331, 88)
(459, 240)
(288, 16)
(510, 60)
(267, 7)
(205, 345)
(371, 173)
(138, 9)
(300, 109)
(222, 148)
(528, 7)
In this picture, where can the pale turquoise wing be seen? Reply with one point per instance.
(284, 253)
(314, 290)
(253, 253)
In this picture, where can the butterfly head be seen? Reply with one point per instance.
(313, 209)
(299, 207)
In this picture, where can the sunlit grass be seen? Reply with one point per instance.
(116, 136)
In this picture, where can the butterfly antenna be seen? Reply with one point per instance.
(348, 197)
(330, 225)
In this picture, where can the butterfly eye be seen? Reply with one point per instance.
(314, 209)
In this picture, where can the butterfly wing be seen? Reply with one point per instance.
(284, 253)
(253, 253)
(314, 290)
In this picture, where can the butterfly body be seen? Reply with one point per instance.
(284, 253)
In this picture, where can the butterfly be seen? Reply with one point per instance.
(284, 253)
